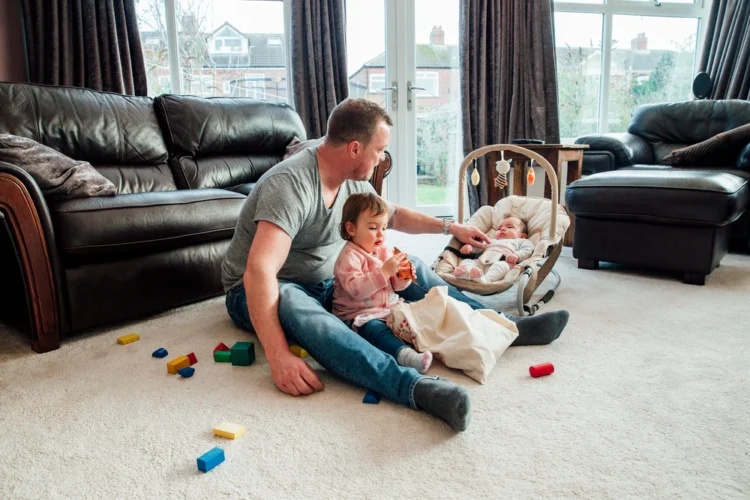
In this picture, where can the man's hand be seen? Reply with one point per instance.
(469, 235)
(511, 259)
(294, 376)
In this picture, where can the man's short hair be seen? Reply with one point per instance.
(355, 120)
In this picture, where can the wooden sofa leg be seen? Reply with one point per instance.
(588, 264)
(33, 255)
(694, 279)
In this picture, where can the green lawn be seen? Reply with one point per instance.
(433, 195)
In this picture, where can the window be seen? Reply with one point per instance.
(254, 86)
(218, 43)
(616, 55)
(377, 83)
(428, 80)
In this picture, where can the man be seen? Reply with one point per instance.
(278, 270)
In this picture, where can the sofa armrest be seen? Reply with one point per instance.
(743, 160)
(628, 149)
(28, 221)
(381, 172)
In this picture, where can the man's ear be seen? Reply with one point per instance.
(354, 148)
(350, 228)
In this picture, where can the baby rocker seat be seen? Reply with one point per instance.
(546, 222)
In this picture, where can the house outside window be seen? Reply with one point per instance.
(377, 82)
(254, 86)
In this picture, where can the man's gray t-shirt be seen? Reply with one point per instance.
(289, 195)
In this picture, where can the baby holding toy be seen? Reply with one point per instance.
(366, 276)
(507, 248)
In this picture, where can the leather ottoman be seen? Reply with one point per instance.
(675, 220)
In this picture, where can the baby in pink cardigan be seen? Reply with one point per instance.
(365, 279)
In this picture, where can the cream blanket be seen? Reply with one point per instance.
(457, 335)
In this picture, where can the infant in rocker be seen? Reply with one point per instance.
(508, 247)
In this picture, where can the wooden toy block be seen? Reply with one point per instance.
(229, 430)
(298, 351)
(177, 364)
(210, 459)
(127, 339)
(186, 372)
(222, 356)
(243, 354)
(192, 358)
(371, 398)
(221, 347)
(160, 353)
(541, 370)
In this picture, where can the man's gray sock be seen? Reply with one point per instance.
(541, 329)
(444, 400)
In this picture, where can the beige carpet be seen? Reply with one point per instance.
(650, 399)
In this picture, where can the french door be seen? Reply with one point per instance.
(403, 54)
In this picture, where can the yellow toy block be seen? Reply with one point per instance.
(228, 430)
(127, 339)
(178, 364)
(298, 351)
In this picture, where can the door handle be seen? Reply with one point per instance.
(394, 96)
(409, 88)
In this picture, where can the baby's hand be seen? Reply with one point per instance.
(511, 259)
(466, 249)
(392, 265)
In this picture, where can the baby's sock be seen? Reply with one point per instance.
(420, 361)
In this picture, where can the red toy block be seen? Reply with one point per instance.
(541, 370)
(192, 358)
(221, 347)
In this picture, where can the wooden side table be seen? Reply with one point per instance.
(556, 155)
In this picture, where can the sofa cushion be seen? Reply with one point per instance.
(59, 177)
(229, 141)
(679, 196)
(144, 222)
(743, 160)
(102, 128)
(223, 171)
(723, 148)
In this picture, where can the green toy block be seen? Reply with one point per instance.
(243, 354)
(223, 356)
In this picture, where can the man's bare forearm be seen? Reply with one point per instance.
(262, 292)
(410, 221)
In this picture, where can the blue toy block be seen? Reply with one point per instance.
(187, 372)
(160, 353)
(371, 398)
(210, 459)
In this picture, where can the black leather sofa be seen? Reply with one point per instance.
(182, 166)
(638, 211)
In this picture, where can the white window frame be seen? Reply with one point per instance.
(422, 77)
(251, 87)
(376, 82)
(610, 8)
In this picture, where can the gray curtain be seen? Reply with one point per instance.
(85, 43)
(508, 77)
(318, 61)
(726, 50)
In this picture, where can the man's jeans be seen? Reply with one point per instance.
(304, 311)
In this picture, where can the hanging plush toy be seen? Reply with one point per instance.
(502, 167)
(531, 176)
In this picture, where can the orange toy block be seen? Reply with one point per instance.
(127, 339)
(177, 364)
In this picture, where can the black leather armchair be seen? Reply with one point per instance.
(655, 130)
